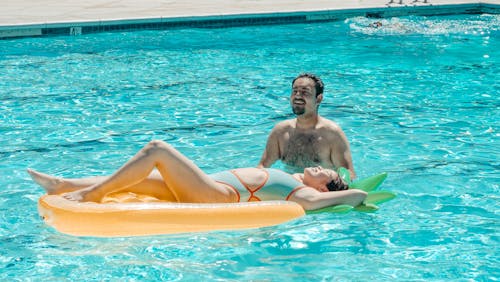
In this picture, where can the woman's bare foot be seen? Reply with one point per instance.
(89, 194)
(79, 196)
(51, 184)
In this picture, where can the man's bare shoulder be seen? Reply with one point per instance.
(331, 131)
(329, 125)
(284, 125)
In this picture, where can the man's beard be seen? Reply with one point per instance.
(298, 110)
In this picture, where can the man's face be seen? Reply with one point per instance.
(303, 98)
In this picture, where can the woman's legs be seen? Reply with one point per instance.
(55, 185)
(153, 185)
(58, 185)
(184, 179)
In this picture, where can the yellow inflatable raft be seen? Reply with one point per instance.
(128, 214)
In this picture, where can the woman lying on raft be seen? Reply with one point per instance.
(161, 171)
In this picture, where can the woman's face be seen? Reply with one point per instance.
(317, 177)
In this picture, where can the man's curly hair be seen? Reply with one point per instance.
(318, 83)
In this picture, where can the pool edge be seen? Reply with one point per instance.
(233, 20)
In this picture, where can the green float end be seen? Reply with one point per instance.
(370, 183)
(334, 209)
(366, 208)
(377, 197)
(345, 174)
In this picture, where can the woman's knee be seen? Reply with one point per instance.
(156, 145)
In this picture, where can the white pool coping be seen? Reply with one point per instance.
(38, 17)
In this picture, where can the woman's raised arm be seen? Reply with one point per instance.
(311, 199)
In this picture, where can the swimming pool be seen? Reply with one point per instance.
(417, 97)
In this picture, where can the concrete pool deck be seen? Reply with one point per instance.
(46, 17)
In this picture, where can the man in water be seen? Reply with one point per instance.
(309, 139)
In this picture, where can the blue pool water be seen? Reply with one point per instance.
(418, 98)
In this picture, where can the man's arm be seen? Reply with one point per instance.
(341, 152)
(272, 152)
